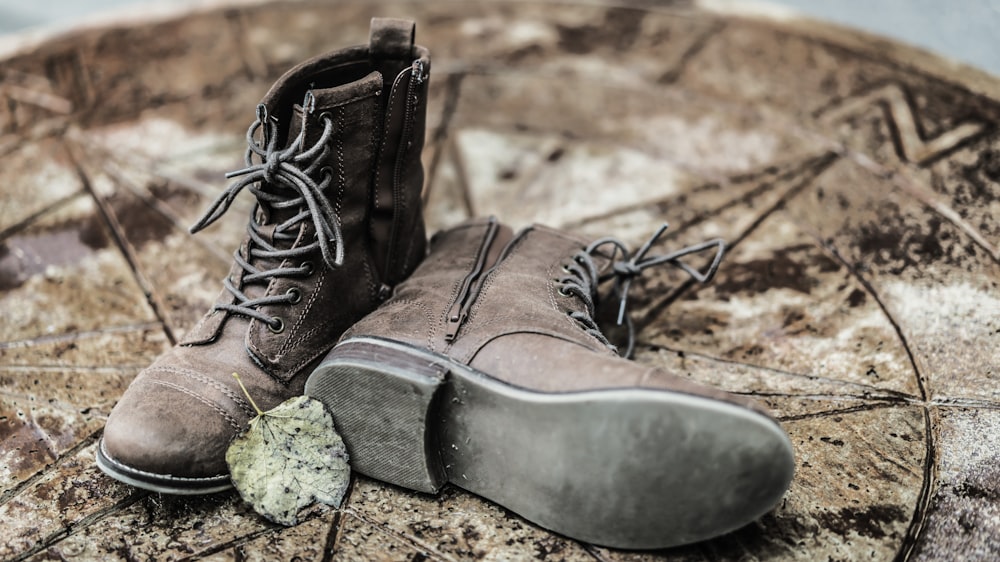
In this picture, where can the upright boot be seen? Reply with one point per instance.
(334, 163)
(486, 369)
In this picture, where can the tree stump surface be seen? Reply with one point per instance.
(856, 180)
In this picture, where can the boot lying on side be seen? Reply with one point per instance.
(334, 164)
(486, 369)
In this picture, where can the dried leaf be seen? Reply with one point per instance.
(290, 457)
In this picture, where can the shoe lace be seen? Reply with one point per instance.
(583, 277)
(290, 171)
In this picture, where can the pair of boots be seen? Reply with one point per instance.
(479, 363)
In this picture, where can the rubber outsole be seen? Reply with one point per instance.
(626, 468)
(160, 483)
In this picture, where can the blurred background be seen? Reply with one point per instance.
(967, 31)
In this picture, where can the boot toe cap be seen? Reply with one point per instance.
(160, 437)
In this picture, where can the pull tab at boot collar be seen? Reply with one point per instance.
(391, 38)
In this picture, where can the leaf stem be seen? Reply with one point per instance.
(252, 403)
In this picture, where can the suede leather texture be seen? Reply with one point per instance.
(179, 415)
(519, 329)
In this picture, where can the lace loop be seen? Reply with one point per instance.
(584, 278)
(288, 175)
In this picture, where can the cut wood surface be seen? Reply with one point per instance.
(856, 181)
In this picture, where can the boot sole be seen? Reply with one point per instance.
(626, 468)
(161, 483)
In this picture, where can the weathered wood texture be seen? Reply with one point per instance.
(858, 183)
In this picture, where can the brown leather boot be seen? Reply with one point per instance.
(487, 370)
(334, 162)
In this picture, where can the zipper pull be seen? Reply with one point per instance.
(459, 309)
(456, 316)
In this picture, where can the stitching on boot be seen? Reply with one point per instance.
(341, 166)
(370, 279)
(343, 103)
(320, 351)
(428, 315)
(385, 131)
(307, 307)
(294, 369)
(410, 303)
(232, 421)
(484, 291)
(254, 322)
(398, 197)
(309, 358)
(375, 149)
(236, 398)
(564, 235)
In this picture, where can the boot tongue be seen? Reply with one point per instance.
(273, 216)
(307, 115)
(304, 119)
(269, 217)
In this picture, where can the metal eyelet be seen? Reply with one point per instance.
(562, 292)
(325, 116)
(276, 325)
(384, 292)
(296, 295)
(566, 268)
(308, 268)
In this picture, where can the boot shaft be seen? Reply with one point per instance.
(479, 282)
(334, 162)
(375, 97)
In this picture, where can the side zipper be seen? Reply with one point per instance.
(459, 309)
(472, 285)
(402, 152)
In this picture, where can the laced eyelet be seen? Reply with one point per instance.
(566, 268)
(307, 268)
(562, 292)
(325, 116)
(276, 325)
(295, 294)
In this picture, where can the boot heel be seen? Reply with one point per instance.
(381, 395)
